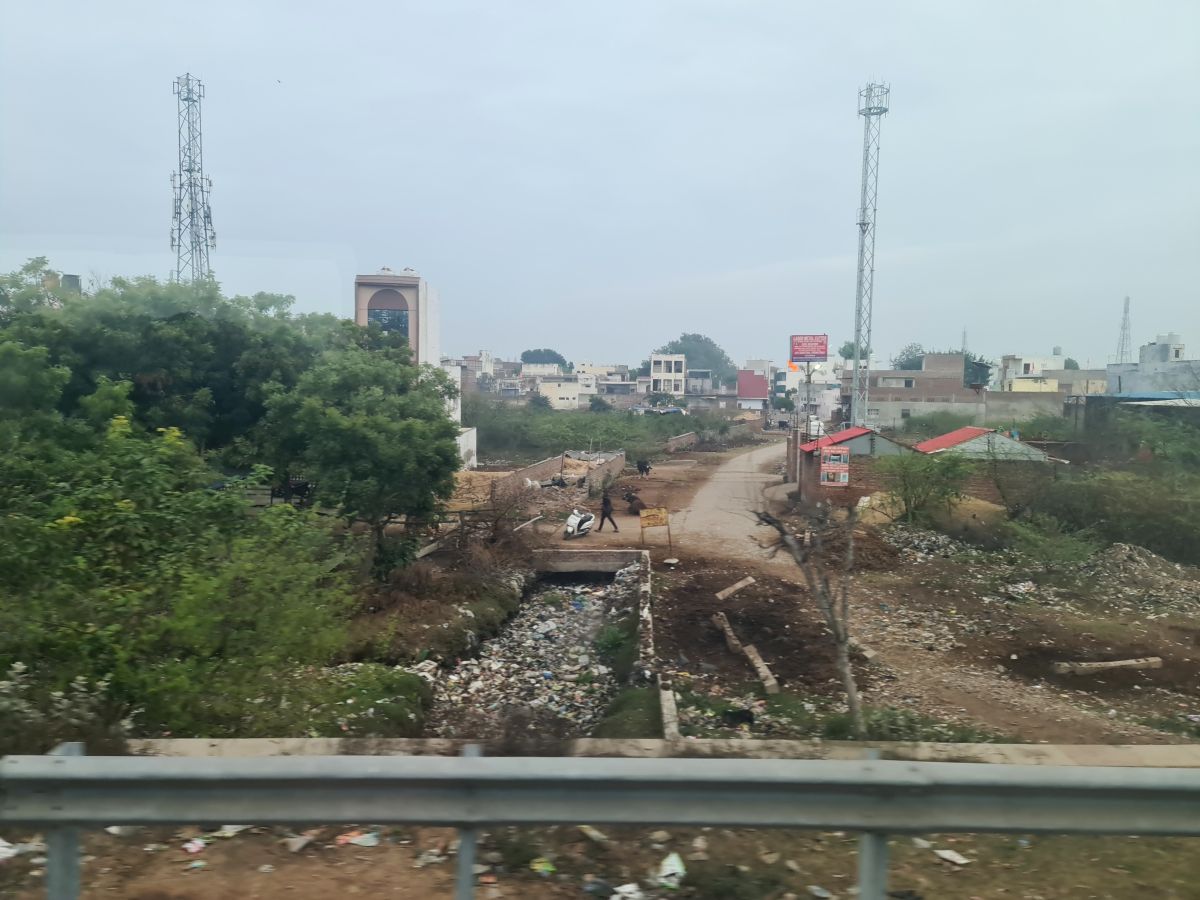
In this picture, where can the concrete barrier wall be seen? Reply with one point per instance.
(681, 442)
(539, 471)
(598, 475)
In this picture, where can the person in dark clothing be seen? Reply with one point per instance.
(606, 509)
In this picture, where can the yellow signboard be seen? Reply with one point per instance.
(654, 517)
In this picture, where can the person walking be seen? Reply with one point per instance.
(606, 509)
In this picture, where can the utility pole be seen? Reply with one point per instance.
(192, 234)
(872, 106)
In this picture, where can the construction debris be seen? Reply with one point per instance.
(1088, 668)
(734, 588)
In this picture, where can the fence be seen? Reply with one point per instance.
(65, 793)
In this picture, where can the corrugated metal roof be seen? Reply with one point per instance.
(952, 439)
(839, 437)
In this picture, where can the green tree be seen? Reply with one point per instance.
(119, 564)
(539, 402)
(599, 404)
(373, 433)
(919, 482)
(846, 351)
(702, 353)
(545, 355)
(910, 358)
(1070, 364)
(976, 369)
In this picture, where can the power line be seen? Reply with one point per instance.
(192, 234)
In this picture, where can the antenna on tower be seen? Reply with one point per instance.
(872, 106)
(1125, 342)
(192, 234)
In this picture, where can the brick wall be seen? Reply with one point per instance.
(539, 471)
(681, 442)
(606, 472)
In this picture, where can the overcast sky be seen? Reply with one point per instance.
(601, 176)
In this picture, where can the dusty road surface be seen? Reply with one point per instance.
(720, 520)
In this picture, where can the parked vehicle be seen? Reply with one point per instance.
(578, 524)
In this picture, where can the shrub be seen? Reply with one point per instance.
(918, 482)
(890, 724)
(34, 719)
(1045, 539)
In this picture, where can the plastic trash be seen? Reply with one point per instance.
(671, 871)
(228, 831)
(542, 866)
(628, 892)
(195, 845)
(819, 892)
(951, 856)
(370, 839)
(266, 868)
(7, 850)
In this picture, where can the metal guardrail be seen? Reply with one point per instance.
(877, 797)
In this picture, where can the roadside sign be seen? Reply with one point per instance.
(810, 348)
(656, 517)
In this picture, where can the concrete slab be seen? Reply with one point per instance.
(585, 560)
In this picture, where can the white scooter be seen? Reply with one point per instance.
(578, 524)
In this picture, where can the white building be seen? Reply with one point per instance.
(406, 304)
(1162, 366)
(668, 373)
(561, 390)
(401, 302)
(1013, 367)
(540, 370)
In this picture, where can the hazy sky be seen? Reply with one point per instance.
(601, 176)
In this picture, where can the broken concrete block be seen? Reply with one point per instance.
(734, 588)
(1087, 668)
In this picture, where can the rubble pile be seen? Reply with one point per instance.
(542, 669)
(1129, 573)
(918, 544)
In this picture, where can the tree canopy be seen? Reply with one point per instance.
(910, 358)
(544, 355)
(1070, 363)
(846, 351)
(702, 353)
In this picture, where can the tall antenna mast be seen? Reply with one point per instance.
(1125, 343)
(192, 234)
(872, 106)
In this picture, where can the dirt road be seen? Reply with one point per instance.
(720, 519)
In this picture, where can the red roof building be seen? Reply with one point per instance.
(951, 439)
(830, 440)
(982, 443)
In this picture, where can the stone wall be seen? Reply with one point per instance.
(539, 471)
(606, 472)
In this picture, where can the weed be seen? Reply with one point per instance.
(890, 724)
(633, 713)
(1180, 725)
(517, 848)
(712, 881)
(617, 644)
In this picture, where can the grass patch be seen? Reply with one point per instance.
(712, 881)
(1176, 725)
(890, 724)
(617, 645)
(633, 713)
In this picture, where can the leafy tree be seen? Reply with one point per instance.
(544, 355)
(599, 404)
(539, 402)
(976, 369)
(702, 353)
(846, 351)
(918, 482)
(118, 564)
(372, 431)
(910, 358)
(1070, 364)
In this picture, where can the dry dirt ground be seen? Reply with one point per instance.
(955, 640)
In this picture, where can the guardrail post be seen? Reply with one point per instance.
(63, 876)
(872, 858)
(464, 882)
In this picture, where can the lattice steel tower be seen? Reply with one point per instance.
(1125, 342)
(872, 106)
(192, 234)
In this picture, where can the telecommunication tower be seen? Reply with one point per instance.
(192, 234)
(1125, 343)
(872, 106)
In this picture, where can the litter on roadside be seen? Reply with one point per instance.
(951, 856)
(671, 871)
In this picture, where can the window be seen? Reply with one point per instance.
(905, 413)
(657, 366)
(1026, 368)
(1178, 353)
(390, 319)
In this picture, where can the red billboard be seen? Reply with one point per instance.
(810, 347)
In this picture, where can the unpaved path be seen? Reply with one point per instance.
(720, 520)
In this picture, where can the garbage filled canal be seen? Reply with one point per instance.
(549, 673)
